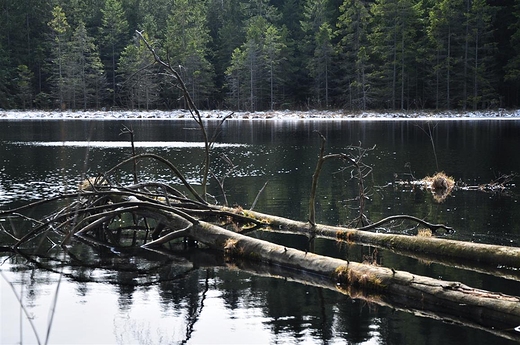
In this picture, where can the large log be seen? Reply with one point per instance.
(489, 310)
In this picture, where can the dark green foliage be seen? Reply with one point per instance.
(114, 34)
(262, 54)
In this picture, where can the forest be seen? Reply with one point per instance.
(257, 55)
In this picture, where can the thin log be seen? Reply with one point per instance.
(477, 252)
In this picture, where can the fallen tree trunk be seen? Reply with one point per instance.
(456, 250)
(449, 299)
(413, 306)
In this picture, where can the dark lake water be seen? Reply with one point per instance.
(195, 297)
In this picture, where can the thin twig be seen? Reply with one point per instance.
(258, 195)
(18, 298)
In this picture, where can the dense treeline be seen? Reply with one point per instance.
(261, 54)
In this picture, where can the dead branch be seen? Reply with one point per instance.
(191, 107)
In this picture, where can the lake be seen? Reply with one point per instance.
(195, 297)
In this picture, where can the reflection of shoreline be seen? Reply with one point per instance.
(260, 115)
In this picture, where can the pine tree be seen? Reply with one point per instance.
(462, 34)
(227, 31)
(296, 80)
(260, 8)
(447, 33)
(253, 73)
(23, 26)
(255, 67)
(236, 79)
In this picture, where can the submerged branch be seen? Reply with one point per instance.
(432, 227)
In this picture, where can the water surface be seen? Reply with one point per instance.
(195, 297)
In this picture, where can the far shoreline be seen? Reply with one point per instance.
(281, 115)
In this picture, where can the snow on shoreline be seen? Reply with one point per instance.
(267, 115)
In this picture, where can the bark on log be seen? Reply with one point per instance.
(448, 299)
(410, 306)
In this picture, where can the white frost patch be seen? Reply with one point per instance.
(260, 115)
(116, 144)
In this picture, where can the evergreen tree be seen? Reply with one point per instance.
(226, 28)
(512, 68)
(24, 85)
(296, 79)
(153, 16)
(353, 49)
(266, 54)
(393, 32)
(5, 86)
(139, 88)
(77, 11)
(85, 74)
(254, 63)
(113, 31)
(481, 82)
(23, 25)
(462, 34)
(260, 8)
(247, 59)
(187, 42)
(60, 36)
(447, 33)
(318, 48)
(274, 47)
(236, 75)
